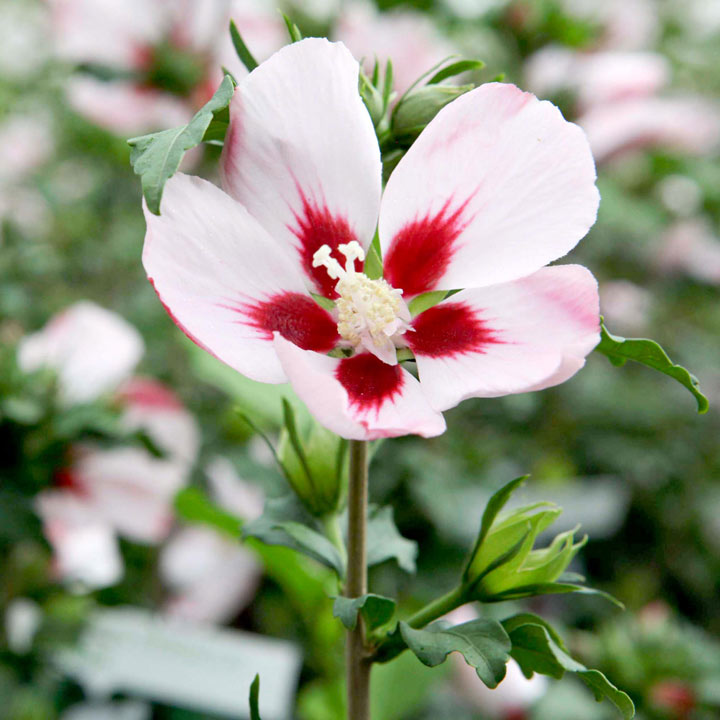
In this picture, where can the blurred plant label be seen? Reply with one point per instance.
(197, 667)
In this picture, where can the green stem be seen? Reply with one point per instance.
(357, 660)
(437, 608)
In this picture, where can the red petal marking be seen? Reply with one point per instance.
(148, 393)
(449, 329)
(317, 227)
(422, 249)
(298, 318)
(369, 382)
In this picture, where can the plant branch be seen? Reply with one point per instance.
(357, 660)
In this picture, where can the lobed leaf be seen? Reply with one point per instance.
(537, 647)
(483, 643)
(384, 542)
(647, 352)
(375, 609)
(554, 588)
(285, 522)
(156, 157)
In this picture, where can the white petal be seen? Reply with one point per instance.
(213, 267)
(359, 398)
(301, 152)
(496, 186)
(92, 350)
(509, 338)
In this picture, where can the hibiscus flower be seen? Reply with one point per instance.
(268, 275)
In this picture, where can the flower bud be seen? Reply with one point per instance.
(373, 99)
(504, 564)
(316, 467)
(416, 109)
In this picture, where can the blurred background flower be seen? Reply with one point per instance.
(127, 470)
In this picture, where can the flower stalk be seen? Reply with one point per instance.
(357, 659)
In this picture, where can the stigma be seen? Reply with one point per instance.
(371, 314)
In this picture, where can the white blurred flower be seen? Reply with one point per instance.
(26, 142)
(409, 38)
(691, 247)
(680, 194)
(130, 490)
(23, 39)
(212, 577)
(85, 548)
(92, 350)
(123, 710)
(625, 305)
(22, 620)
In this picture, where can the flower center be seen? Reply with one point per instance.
(371, 314)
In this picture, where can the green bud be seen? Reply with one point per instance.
(315, 465)
(505, 562)
(373, 99)
(416, 109)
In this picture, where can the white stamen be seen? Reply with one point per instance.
(371, 313)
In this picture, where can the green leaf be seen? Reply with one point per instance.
(373, 263)
(285, 522)
(483, 643)
(246, 57)
(376, 610)
(494, 505)
(555, 588)
(254, 699)
(426, 301)
(647, 352)
(194, 506)
(293, 29)
(454, 69)
(603, 688)
(537, 647)
(386, 543)
(156, 157)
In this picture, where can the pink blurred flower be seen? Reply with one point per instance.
(85, 549)
(132, 39)
(690, 246)
(617, 101)
(624, 24)
(596, 77)
(511, 699)
(498, 185)
(213, 577)
(688, 125)
(409, 38)
(92, 350)
(123, 490)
